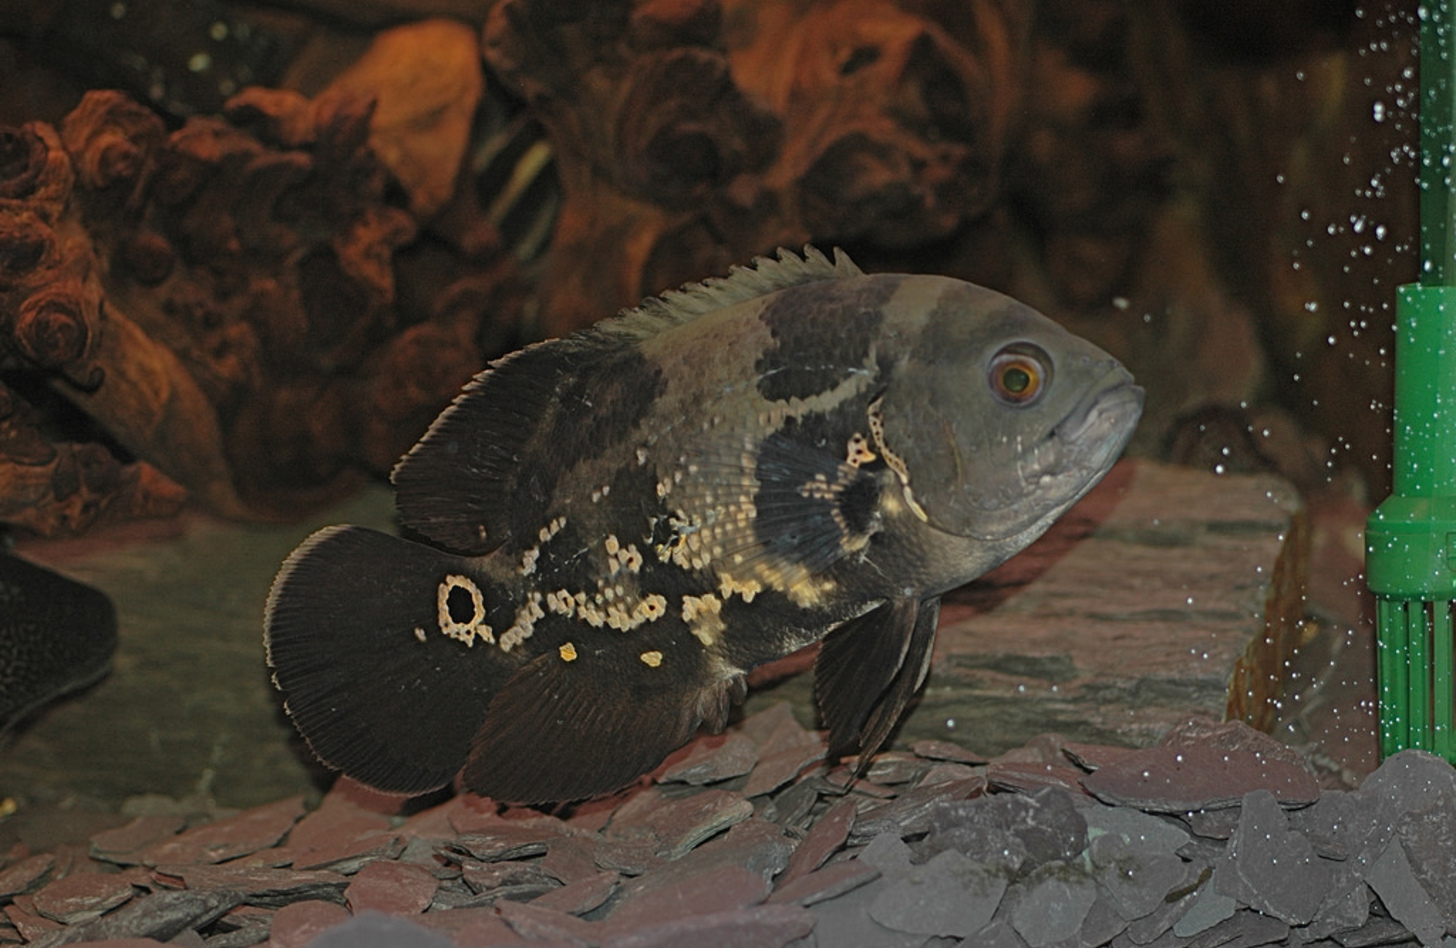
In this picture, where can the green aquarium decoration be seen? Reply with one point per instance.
(1411, 538)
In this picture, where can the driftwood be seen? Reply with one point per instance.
(221, 301)
(692, 135)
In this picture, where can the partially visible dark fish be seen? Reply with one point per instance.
(56, 636)
(620, 524)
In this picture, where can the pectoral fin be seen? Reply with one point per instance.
(869, 669)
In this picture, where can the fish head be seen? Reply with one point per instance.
(1001, 419)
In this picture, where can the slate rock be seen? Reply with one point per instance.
(1410, 781)
(375, 930)
(228, 838)
(1274, 869)
(1135, 881)
(298, 924)
(161, 915)
(1094, 756)
(829, 882)
(581, 895)
(717, 890)
(1402, 895)
(1054, 905)
(124, 844)
(1029, 777)
(1231, 736)
(341, 835)
(777, 767)
(895, 767)
(26, 875)
(945, 750)
(1429, 839)
(571, 858)
(1141, 832)
(795, 805)
(1209, 907)
(1102, 924)
(259, 885)
(1242, 930)
(845, 922)
(713, 759)
(1174, 779)
(910, 812)
(825, 838)
(979, 829)
(949, 896)
(542, 923)
(505, 840)
(676, 826)
(888, 853)
(764, 926)
(476, 927)
(391, 888)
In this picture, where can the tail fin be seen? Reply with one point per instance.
(353, 632)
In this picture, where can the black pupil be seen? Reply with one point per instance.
(461, 605)
(1016, 379)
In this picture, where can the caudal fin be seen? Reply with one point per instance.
(374, 642)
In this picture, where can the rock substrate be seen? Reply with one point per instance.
(1216, 837)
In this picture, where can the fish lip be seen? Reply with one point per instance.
(1112, 406)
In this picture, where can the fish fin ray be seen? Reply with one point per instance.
(353, 635)
(763, 276)
(914, 667)
(798, 495)
(566, 731)
(869, 668)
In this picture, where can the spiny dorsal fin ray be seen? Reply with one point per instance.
(763, 276)
(491, 458)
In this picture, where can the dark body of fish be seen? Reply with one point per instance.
(618, 525)
(56, 636)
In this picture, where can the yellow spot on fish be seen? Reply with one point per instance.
(612, 545)
(895, 462)
(525, 623)
(551, 529)
(462, 631)
(857, 452)
(561, 603)
(702, 616)
(641, 457)
(651, 659)
(528, 561)
(729, 586)
(567, 651)
(420, 634)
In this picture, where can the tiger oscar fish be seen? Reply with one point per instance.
(607, 531)
(56, 636)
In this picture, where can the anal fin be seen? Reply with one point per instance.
(568, 730)
(868, 670)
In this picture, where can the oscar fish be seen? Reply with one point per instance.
(56, 636)
(605, 532)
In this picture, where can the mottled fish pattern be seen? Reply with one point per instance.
(56, 636)
(606, 532)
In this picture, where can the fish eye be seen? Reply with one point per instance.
(1018, 374)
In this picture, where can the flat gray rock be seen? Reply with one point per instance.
(1054, 906)
(1276, 869)
(950, 895)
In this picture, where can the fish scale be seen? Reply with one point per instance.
(606, 532)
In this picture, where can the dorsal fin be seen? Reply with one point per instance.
(492, 457)
(763, 276)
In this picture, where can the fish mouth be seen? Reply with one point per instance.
(1106, 416)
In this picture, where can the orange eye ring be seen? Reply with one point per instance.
(1017, 377)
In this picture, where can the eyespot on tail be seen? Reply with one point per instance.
(377, 646)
